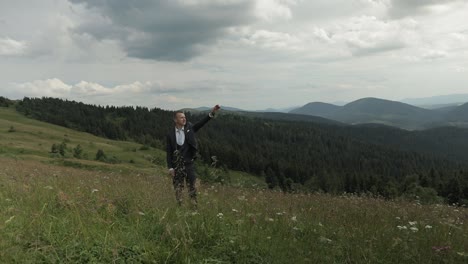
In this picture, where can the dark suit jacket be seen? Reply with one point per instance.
(189, 150)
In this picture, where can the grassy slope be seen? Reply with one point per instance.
(33, 140)
(126, 213)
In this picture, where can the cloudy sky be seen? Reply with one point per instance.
(251, 54)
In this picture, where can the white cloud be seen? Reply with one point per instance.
(50, 88)
(270, 10)
(57, 88)
(322, 35)
(434, 54)
(151, 94)
(369, 35)
(273, 40)
(11, 47)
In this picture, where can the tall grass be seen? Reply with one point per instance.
(64, 210)
(55, 214)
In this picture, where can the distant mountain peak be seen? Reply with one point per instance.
(316, 109)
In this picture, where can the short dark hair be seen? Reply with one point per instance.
(178, 112)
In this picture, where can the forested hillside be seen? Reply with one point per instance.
(391, 113)
(294, 155)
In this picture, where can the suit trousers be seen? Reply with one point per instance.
(185, 174)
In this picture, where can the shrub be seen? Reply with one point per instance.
(77, 151)
(101, 156)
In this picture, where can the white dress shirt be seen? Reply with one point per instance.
(180, 136)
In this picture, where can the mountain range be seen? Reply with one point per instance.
(386, 112)
(437, 100)
(370, 111)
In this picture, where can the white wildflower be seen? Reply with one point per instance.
(412, 223)
(94, 190)
(241, 198)
(294, 218)
(414, 229)
(220, 215)
(235, 210)
(397, 218)
(325, 240)
(48, 187)
(271, 219)
(402, 227)
(141, 213)
(428, 227)
(9, 220)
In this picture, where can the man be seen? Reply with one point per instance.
(181, 149)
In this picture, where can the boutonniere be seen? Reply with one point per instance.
(188, 130)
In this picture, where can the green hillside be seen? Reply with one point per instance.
(69, 210)
(25, 138)
(29, 139)
(293, 155)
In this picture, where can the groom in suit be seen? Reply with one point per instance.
(181, 149)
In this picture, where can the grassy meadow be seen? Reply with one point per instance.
(68, 210)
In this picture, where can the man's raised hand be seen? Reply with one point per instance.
(215, 108)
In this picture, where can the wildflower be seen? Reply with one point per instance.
(402, 227)
(279, 213)
(8, 200)
(48, 187)
(428, 227)
(220, 215)
(294, 218)
(9, 220)
(412, 223)
(141, 213)
(325, 240)
(463, 254)
(241, 198)
(94, 190)
(235, 210)
(296, 228)
(320, 224)
(271, 219)
(268, 237)
(414, 229)
(397, 218)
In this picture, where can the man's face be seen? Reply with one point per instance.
(180, 119)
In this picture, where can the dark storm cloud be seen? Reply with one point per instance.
(168, 30)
